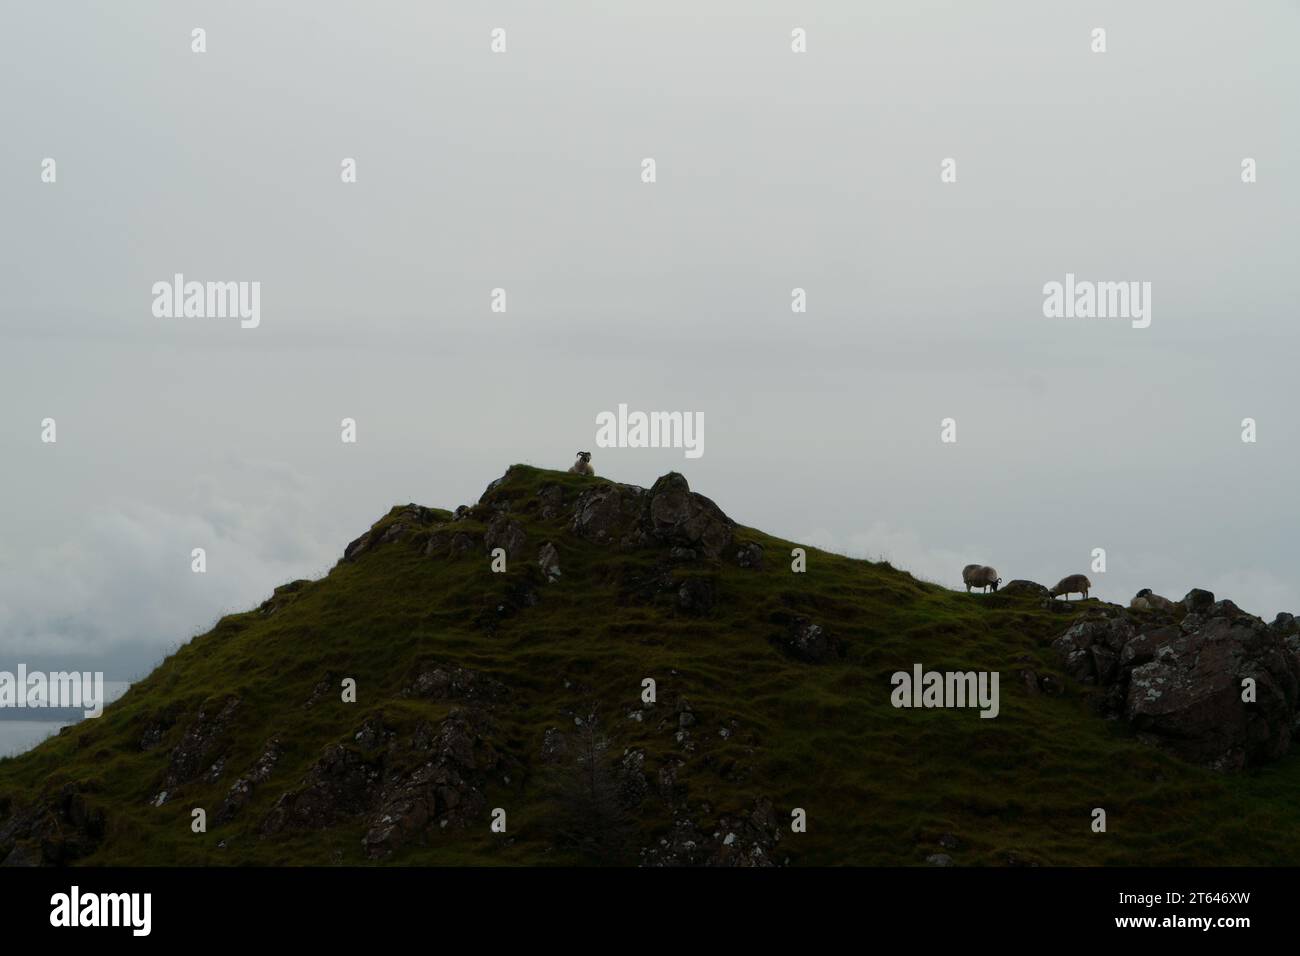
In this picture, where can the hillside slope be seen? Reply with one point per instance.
(476, 690)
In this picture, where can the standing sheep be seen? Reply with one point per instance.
(980, 576)
(583, 465)
(1070, 584)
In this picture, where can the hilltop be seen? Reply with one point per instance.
(522, 690)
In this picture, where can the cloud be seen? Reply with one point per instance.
(126, 578)
(902, 548)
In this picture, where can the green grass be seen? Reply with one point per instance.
(879, 785)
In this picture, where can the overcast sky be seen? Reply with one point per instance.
(522, 170)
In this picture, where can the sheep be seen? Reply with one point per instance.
(583, 465)
(1145, 600)
(1071, 583)
(980, 576)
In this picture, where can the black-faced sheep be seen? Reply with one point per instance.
(583, 465)
(980, 576)
(1145, 600)
(1070, 584)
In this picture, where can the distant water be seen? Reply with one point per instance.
(20, 736)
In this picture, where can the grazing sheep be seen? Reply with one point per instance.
(583, 465)
(1145, 600)
(980, 576)
(1070, 584)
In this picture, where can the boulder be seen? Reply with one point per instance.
(504, 533)
(551, 501)
(1091, 648)
(548, 559)
(809, 642)
(449, 682)
(1189, 695)
(241, 791)
(606, 513)
(1180, 684)
(676, 515)
(668, 514)
(1029, 588)
(357, 548)
(202, 743)
(57, 829)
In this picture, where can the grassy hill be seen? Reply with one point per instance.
(766, 731)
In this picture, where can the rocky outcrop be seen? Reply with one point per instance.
(402, 787)
(397, 524)
(608, 513)
(241, 791)
(548, 559)
(202, 744)
(1218, 687)
(283, 596)
(1027, 588)
(806, 641)
(448, 682)
(550, 501)
(446, 790)
(668, 514)
(675, 515)
(749, 838)
(53, 831)
(506, 534)
(338, 786)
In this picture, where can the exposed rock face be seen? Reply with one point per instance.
(750, 556)
(1198, 601)
(744, 839)
(202, 743)
(241, 791)
(806, 641)
(336, 787)
(607, 512)
(551, 501)
(455, 683)
(676, 515)
(505, 533)
(283, 596)
(396, 524)
(446, 789)
(1190, 694)
(1030, 588)
(1179, 684)
(403, 787)
(54, 831)
(669, 513)
(548, 559)
(357, 547)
